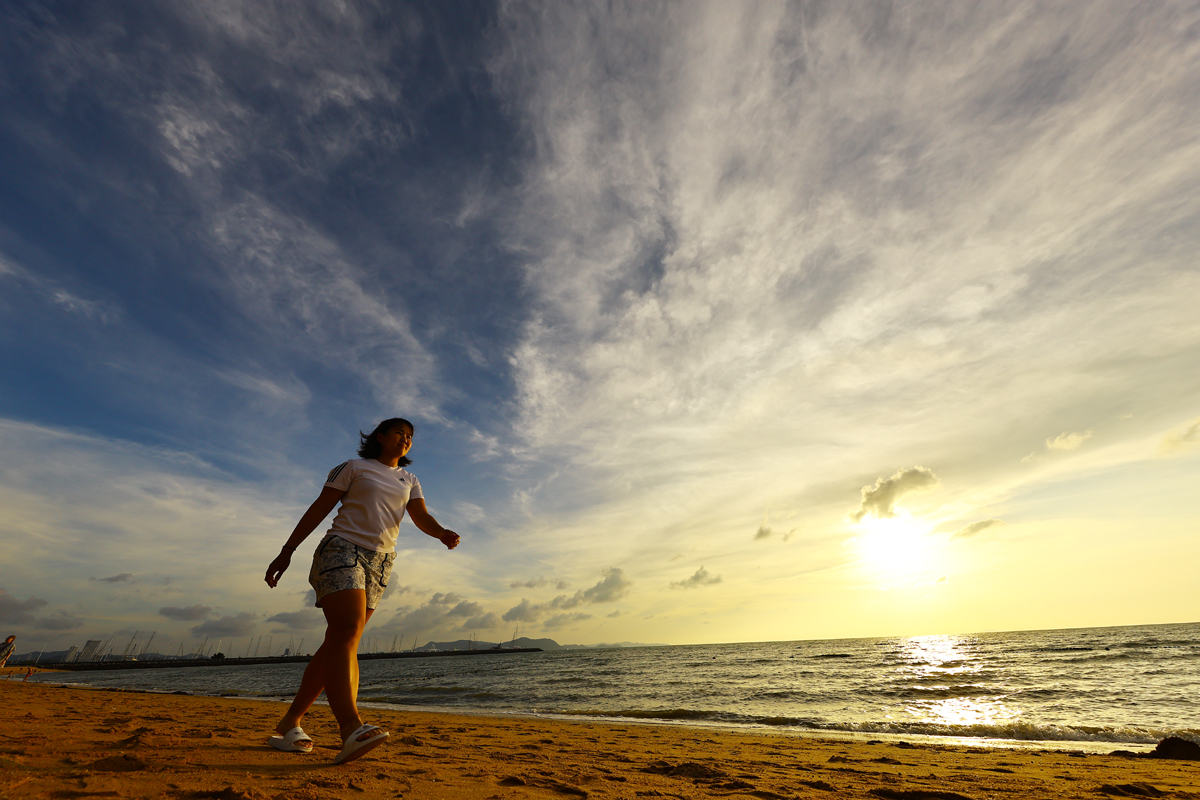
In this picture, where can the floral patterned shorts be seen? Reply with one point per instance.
(339, 565)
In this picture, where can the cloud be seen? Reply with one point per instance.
(469, 512)
(538, 583)
(54, 294)
(614, 586)
(1065, 442)
(124, 577)
(17, 611)
(562, 620)
(61, 621)
(298, 620)
(482, 622)
(441, 615)
(466, 608)
(230, 625)
(523, 611)
(186, 614)
(765, 532)
(701, 578)
(1068, 440)
(1181, 438)
(880, 500)
(977, 527)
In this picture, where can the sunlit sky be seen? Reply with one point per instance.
(717, 321)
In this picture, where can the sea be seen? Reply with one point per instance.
(1097, 689)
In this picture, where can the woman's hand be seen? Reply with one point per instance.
(278, 567)
(316, 512)
(429, 526)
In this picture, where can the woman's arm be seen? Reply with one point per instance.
(428, 525)
(319, 510)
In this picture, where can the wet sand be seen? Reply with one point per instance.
(64, 742)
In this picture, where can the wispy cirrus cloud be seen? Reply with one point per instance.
(976, 528)
(1064, 442)
(751, 231)
(1182, 437)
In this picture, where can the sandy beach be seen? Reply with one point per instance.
(64, 742)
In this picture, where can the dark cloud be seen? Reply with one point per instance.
(482, 622)
(523, 611)
(562, 620)
(186, 614)
(17, 611)
(441, 615)
(538, 583)
(765, 532)
(702, 578)
(235, 625)
(124, 577)
(466, 608)
(61, 621)
(298, 620)
(880, 499)
(977, 527)
(612, 587)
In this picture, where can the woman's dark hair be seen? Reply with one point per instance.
(369, 446)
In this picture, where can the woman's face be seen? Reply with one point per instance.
(397, 441)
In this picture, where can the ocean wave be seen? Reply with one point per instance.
(1023, 731)
(1063, 649)
(940, 692)
(692, 714)
(1010, 731)
(462, 691)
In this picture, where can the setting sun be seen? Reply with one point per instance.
(899, 550)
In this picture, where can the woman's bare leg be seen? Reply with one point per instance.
(334, 667)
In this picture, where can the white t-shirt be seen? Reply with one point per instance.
(376, 496)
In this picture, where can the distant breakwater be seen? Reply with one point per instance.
(90, 666)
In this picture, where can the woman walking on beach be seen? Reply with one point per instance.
(350, 570)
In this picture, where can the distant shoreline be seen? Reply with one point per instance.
(96, 666)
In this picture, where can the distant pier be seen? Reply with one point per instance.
(166, 663)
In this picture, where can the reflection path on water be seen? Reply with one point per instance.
(943, 680)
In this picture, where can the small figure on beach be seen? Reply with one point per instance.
(6, 649)
(350, 570)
